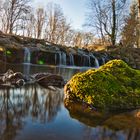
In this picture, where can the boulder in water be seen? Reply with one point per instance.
(48, 79)
(17, 79)
(13, 78)
(113, 86)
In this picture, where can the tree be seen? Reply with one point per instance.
(12, 13)
(106, 18)
(139, 7)
(56, 25)
(88, 39)
(64, 29)
(138, 23)
(40, 20)
(130, 34)
(30, 25)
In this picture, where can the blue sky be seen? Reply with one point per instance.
(74, 10)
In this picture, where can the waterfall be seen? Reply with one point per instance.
(27, 55)
(60, 58)
(103, 59)
(71, 59)
(64, 61)
(27, 59)
(96, 60)
(86, 60)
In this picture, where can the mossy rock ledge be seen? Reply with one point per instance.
(113, 86)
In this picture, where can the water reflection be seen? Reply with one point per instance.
(27, 69)
(36, 113)
(33, 101)
(102, 133)
(106, 125)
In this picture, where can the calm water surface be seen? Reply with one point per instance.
(35, 113)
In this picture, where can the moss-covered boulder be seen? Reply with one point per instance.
(113, 86)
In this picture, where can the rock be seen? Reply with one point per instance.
(6, 76)
(113, 86)
(47, 79)
(19, 82)
(17, 79)
(13, 79)
(128, 54)
(1, 80)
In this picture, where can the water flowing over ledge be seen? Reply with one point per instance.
(78, 58)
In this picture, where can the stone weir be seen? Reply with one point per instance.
(17, 49)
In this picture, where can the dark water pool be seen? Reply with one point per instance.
(35, 113)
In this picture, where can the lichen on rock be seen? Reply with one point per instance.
(113, 86)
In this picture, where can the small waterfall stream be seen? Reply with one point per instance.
(96, 61)
(27, 60)
(64, 59)
(89, 60)
(27, 55)
(71, 59)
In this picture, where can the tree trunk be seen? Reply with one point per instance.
(139, 23)
(113, 35)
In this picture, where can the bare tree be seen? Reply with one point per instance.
(40, 21)
(69, 38)
(13, 11)
(138, 27)
(88, 39)
(64, 29)
(106, 17)
(139, 7)
(30, 25)
(56, 25)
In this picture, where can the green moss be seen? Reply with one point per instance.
(113, 86)
(40, 62)
(8, 52)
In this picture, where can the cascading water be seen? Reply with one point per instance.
(86, 60)
(71, 59)
(60, 58)
(96, 60)
(27, 55)
(103, 59)
(27, 59)
(77, 59)
(64, 58)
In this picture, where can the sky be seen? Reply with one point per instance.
(74, 10)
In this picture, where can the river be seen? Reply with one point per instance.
(35, 113)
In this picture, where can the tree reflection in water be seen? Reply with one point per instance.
(42, 106)
(32, 100)
(102, 133)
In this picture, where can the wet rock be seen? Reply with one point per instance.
(17, 79)
(13, 78)
(47, 79)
